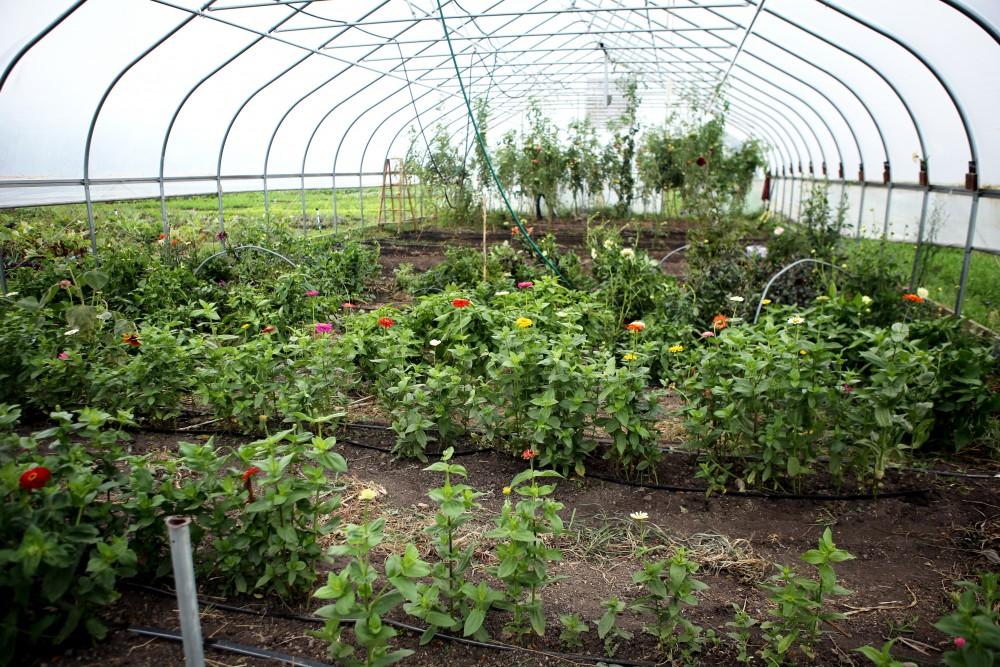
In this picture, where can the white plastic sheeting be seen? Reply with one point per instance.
(247, 94)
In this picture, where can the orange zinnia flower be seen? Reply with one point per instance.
(461, 303)
(636, 327)
(131, 339)
(719, 322)
(914, 298)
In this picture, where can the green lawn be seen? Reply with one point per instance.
(941, 278)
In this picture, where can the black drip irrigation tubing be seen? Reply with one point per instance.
(229, 647)
(669, 450)
(415, 629)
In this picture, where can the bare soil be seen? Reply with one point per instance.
(425, 248)
(908, 552)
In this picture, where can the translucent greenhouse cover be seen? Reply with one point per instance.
(103, 99)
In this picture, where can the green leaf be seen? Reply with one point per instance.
(474, 621)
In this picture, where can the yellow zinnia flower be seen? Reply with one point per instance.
(674, 349)
(523, 322)
(506, 490)
(367, 494)
(629, 357)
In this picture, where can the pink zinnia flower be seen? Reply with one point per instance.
(848, 389)
(64, 356)
(708, 334)
(347, 305)
(959, 642)
(527, 284)
(323, 327)
(312, 292)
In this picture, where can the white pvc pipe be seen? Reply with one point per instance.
(187, 593)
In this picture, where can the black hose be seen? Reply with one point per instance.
(670, 450)
(231, 647)
(766, 494)
(403, 626)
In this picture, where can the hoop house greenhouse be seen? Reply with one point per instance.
(453, 333)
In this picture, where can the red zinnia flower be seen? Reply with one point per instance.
(701, 161)
(250, 472)
(528, 454)
(35, 478)
(269, 329)
(461, 303)
(131, 339)
(913, 298)
(720, 322)
(386, 322)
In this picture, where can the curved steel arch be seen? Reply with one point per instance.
(782, 102)
(239, 110)
(97, 113)
(38, 37)
(403, 61)
(183, 102)
(294, 105)
(966, 126)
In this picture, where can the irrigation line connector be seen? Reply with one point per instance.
(187, 592)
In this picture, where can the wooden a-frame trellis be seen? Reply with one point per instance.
(397, 194)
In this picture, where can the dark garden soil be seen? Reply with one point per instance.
(425, 248)
(908, 552)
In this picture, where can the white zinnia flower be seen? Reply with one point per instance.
(593, 253)
(434, 342)
(608, 244)
(502, 293)
(72, 332)
(736, 299)
(638, 516)
(866, 300)
(627, 253)
(922, 292)
(795, 319)
(778, 231)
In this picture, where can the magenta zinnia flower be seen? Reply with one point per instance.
(63, 356)
(323, 327)
(312, 292)
(527, 284)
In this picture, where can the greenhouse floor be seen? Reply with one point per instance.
(908, 552)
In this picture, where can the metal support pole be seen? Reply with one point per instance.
(920, 238)
(361, 198)
(3, 273)
(861, 209)
(187, 593)
(967, 259)
(90, 221)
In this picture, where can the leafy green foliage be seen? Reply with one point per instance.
(801, 603)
